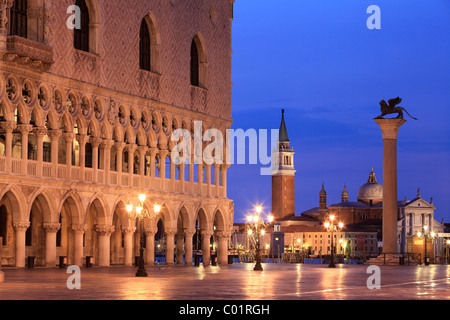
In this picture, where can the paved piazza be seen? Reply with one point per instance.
(231, 282)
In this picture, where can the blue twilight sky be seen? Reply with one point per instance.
(318, 60)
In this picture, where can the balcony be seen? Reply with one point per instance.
(46, 172)
(27, 53)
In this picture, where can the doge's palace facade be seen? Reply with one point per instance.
(86, 116)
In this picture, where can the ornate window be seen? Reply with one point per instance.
(18, 18)
(144, 47)
(81, 36)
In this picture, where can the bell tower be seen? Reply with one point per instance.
(283, 175)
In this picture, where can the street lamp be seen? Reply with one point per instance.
(140, 213)
(331, 227)
(426, 236)
(256, 228)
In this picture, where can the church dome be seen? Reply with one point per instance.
(371, 192)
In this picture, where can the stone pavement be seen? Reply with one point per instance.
(231, 282)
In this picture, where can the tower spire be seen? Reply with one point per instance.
(283, 136)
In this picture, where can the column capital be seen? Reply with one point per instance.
(142, 149)
(189, 233)
(120, 145)
(95, 142)
(21, 226)
(131, 147)
(24, 128)
(68, 136)
(163, 153)
(206, 233)
(128, 230)
(390, 127)
(225, 166)
(150, 231)
(54, 133)
(82, 138)
(223, 234)
(8, 125)
(107, 144)
(153, 151)
(170, 232)
(51, 227)
(40, 131)
(78, 228)
(104, 230)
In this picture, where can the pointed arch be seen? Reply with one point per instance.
(73, 202)
(99, 206)
(87, 37)
(46, 202)
(199, 62)
(149, 44)
(17, 202)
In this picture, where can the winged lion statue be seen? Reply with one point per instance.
(391, 107)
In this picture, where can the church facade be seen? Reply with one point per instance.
(90, 93)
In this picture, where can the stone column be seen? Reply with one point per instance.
(25, 131)
(153, 152)
(188, 236)
(8, 126)
(181, 175)
(68, 138)
(54, 136)
(131, 149)
(208, 179)
(106, 145)
(78, 232)
(180, 248)
(217, 178)
(170, 237)
(128, 245)
(119, 149)
(389, 129)
(150, 246)
(50, 243)
(162, 166)
(223, 178)
(82, 139)
(40, 133)
(222, 249)
(200, 175)
(104, 248)
(95, 143)
(142, 152)
(206, 246)
(20, 228)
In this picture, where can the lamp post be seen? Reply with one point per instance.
(140, 213)
(331, 227)
(426, 236)
(256, 227)
(448, 248)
